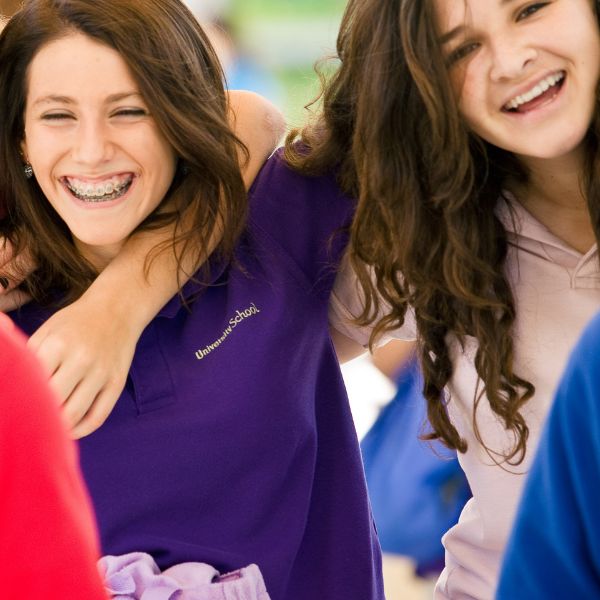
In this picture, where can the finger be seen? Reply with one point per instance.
(49, 354)
(96, 415)
(64, 381)
(8, 279)
(12, 299)
(36, 340)
(15, 270)
(6, 251)
(80, 401)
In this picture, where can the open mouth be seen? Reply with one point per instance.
(540, 94)
(101, 191)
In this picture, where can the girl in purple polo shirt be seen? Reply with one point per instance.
(222, 450)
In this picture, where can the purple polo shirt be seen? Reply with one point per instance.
(233, 441)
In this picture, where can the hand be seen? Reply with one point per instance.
(12, 299)
(87, 353)
(12, 272)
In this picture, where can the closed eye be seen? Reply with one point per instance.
(130, 112)
(530, 10)
(56, 116)
(462, 52)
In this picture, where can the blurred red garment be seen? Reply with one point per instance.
(48, 540)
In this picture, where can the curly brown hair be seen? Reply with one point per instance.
(181, 81)
(426, 189)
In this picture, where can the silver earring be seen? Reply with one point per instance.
(28, 171)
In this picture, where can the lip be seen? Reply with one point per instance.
(528, 86)
(96, 178)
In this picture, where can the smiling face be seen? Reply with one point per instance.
(95, 150)
(525, 73)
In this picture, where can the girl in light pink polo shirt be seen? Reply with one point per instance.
(470, 132)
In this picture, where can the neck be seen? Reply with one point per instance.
(554, 195)
(98, 256)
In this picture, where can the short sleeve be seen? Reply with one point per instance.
(346, 303)
(306, 217)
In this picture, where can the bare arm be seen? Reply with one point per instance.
(345, 348)
(389, 359)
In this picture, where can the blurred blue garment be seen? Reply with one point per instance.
(554, 549)
(417, 489)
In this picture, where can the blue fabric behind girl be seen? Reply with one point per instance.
(417, 489)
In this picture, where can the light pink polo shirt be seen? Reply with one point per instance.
(557, 291)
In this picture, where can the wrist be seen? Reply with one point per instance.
(128, 304)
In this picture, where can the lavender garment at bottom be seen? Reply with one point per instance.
(135, 576)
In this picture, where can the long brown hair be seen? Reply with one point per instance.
(179, 78)
(426, 189)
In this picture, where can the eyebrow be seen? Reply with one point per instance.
(444, 39)
(68, 100)
(450, 35)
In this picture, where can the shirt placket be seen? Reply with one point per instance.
(587, 273)
(153, 386)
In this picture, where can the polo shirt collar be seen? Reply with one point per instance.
(519, 222)
(530, 235)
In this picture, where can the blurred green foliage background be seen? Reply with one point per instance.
(275, 44)
(268, 46)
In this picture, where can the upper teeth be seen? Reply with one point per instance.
(536, 91)
(96, 190)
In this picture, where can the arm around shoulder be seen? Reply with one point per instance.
(259, 124)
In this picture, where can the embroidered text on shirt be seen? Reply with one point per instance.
(239, 316)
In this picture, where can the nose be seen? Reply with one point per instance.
(92, 144)
(510, 58)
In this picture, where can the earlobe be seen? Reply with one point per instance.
(27, 169)
(24, 150)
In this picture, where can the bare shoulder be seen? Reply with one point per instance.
(253, 113)
(259, 124)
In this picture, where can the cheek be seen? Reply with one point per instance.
(168, 163)
(470, 94)
(163, 156)
(162, 165)
(42, 150)
(461, 82)
(167, 168)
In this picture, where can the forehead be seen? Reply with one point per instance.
(453, 13)
(485, 14)
(76, 65)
